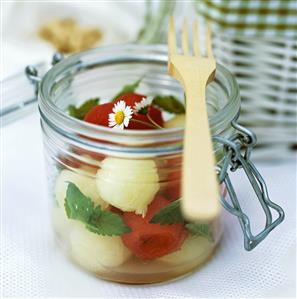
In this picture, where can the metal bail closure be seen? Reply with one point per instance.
(234, 159)
(32, 72)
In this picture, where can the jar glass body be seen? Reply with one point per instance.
(133, 174)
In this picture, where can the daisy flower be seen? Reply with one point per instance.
(121, 116)
(141, 106)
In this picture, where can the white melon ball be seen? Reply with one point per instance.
(61, 223)
(96, 253)
(193, 248)
(86, 184)
(175, 122)
(129, 185)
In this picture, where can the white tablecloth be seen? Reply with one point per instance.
(33, 266)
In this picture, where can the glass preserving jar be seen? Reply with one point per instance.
(130, 176)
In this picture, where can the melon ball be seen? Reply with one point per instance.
(86, 184)
(175, 122)
(129, 185)
(61, 223)
(194, 247)
(96, 253)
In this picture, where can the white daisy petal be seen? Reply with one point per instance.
(115, 108)
(121, 116)
(145, 102)
(128, 112)
(126, 122)
(136, 107)
(121, 105)
(111, 115)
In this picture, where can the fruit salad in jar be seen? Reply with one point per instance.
(119, 217)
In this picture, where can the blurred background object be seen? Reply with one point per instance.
(68, 36)
(118, 22)
(33, 31)
(256, 41)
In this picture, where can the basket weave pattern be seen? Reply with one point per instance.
(266, 71)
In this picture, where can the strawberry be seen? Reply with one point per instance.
(150, 241)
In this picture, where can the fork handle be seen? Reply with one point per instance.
(200, 185)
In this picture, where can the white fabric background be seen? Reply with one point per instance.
(33, 266)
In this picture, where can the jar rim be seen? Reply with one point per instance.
(119, 54)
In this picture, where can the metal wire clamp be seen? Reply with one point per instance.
(238, 150)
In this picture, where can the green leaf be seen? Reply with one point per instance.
(127, 89)
(83, 109)
(199, 229)
(143, 110)
(80, 207)
(171, 214)
(106, 223)
(77, 205)
(170, 104)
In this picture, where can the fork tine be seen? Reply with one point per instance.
(195, 38)
(171, 37)
(208, 41)
(185, 38)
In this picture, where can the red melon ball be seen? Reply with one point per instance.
(99, 114)
(150, 241)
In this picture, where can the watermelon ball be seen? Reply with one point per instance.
(172, 188)
(149, 241)
(155, 114)
(99, 114)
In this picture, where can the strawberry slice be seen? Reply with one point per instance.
(99, 114)
(150, 241)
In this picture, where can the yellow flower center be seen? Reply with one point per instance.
(119, 117)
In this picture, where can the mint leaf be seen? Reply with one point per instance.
(171, 214)
(106, 223)
(127, 89)
(83, 109)
(77, 205)
(170, 104)
(80, 207)
(199, 229)
(143, 110)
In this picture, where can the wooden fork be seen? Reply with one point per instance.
(200, 199)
